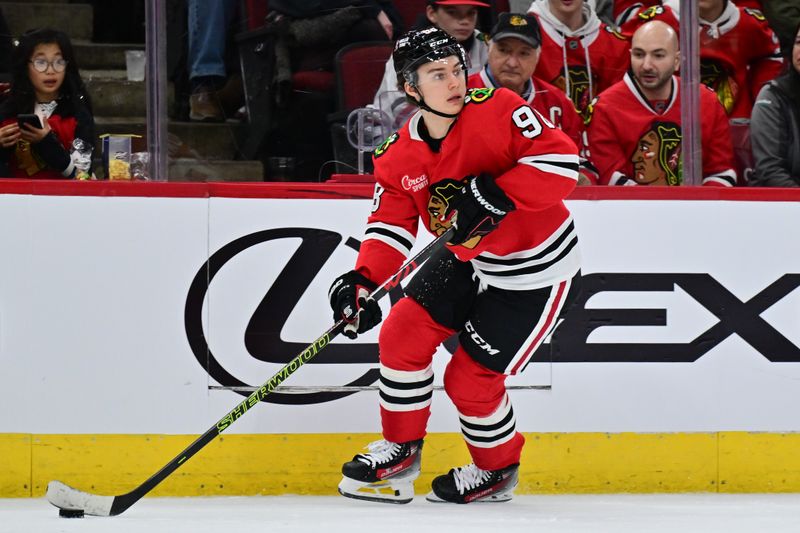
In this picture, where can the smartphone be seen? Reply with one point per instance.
(31, 119)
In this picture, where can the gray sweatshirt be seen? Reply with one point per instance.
(775, 137)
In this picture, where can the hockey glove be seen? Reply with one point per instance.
(477, 208)
(350, 301)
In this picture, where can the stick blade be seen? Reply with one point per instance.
(65, 497)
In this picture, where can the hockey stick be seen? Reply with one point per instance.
(65, 497)
(300, 389)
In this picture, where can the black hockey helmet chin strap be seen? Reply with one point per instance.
(422, 105)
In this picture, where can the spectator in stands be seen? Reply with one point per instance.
(783, 16)
(739, 52)
(45, 82)
(209, 21)
(604, 9)
(635, 129)
(775, 127)
(580, 54)
(458, 18)
(514, 49)
(307, 37)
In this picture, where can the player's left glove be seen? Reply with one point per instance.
(477, 208)
(350, 301)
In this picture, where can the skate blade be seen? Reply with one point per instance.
(492, 498)
(385, 491)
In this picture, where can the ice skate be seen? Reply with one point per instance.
(385, 474)
(469, 483)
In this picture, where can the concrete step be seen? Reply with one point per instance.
(114, 96)
(186, 139)
(73, 19)
(102, 56)
(199, 170)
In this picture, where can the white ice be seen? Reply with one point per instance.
(683, 513)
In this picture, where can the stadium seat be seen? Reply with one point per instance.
(410, 11)
(254, 13)
(359, 71)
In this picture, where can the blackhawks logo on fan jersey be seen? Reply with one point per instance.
(715, 76)
(657, 156)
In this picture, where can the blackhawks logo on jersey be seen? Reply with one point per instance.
(717, 78)
(587, 119)
(578, 88)
(441, 195)
(380, 150)
(657, 156)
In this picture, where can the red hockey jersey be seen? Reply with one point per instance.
(548, 100)
(534, 163)
(630, 142)
(625, 10)
(584, 62)
(739, 53)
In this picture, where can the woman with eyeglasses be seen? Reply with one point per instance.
(45, 83)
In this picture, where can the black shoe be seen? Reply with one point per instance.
(385, 474)
(384, 460)
(471, 484)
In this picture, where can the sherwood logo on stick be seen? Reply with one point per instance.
(692, 293)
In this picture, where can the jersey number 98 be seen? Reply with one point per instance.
(529, 121)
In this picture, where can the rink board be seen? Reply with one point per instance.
(122, 304)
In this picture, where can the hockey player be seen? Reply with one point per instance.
(499, 171)
(635, 128)
(580, 55)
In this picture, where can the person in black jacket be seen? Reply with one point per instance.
(45, 83)
(775, 126)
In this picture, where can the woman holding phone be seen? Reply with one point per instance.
(47, 110)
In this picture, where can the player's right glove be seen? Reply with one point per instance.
(350, 301)
(477, 208)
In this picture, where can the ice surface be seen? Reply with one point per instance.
(683, 513)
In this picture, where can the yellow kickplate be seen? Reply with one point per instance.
(303, 463)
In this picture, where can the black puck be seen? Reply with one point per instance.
(70, 513)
